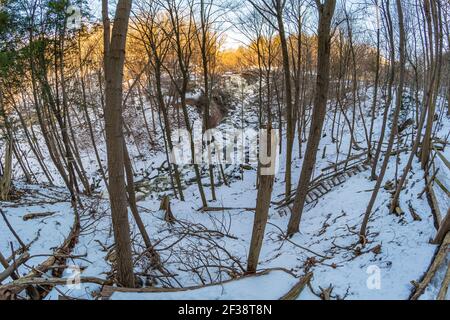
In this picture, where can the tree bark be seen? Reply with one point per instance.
(265, 189)
(426, 142)
(205, 48)
(326, 12)
(114, 65)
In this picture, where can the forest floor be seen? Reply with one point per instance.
(206, 247)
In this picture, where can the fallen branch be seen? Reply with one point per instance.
(108, 291)
(444, 287)
(443, 159)
(12, 268)
(437, 261)
(23, 250)
(443, 229)
(11, 229)
(298, 288)
(285, 237)
(32, 216)
(32, 292)
(429, 182)
(413, 212)
(57, 258)
(218, 209)
(443, 188)
(434, 205)
(334, 166)
(25, 282)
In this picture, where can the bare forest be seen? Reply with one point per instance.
(224, 150)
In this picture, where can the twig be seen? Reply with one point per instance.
(12, 230)
(12, 268)
(285, 237)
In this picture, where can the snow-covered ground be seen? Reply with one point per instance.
(205, 247)
(40, 233)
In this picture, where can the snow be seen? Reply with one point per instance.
(399, 248)
(42, 233)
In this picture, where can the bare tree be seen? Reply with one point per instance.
(183, 28)
(114, 64)
(275, 10)
(432, 11)
(326, 12)
(394, 130)
(432, 91)
(265, 188)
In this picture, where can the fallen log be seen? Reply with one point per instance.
(218, 209)
(32, 216)
(437, 261)
(108, 291)
(444, 287)
(443, 188)
(443, 229)
(294, 293)
(9, 291)
(443, 159)
(434, 205)
(62, 251)
(24, 282)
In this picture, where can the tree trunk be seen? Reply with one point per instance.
(394, 130)
(88, 117)
(290, 126)
(326, 12)
(5, 178)
(389, 97)
(134, 208)
(430, 16)
(184, 52)
(115, 143)
(262, 208)
(163, 108)
(431, 92)
(205, 51)
(375, 94)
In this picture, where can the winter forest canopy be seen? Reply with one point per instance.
(224, 150)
